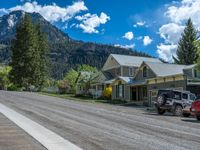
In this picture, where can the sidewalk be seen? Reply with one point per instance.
(14, 138)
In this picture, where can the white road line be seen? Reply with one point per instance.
(47, 138)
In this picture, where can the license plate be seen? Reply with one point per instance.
(193, 110)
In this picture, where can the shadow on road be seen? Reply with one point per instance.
(135, 105)
(155, 114)
(193, 120)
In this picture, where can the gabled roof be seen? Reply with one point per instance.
(163, 69)
(134, 61)
(109, 81)
(190, 66)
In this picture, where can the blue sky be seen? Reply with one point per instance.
(151, 26)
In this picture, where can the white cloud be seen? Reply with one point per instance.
(52, 13)
(129, 35)
(171, 32)
(55, 13)
(91, 21)
(140, 23)
(131, 46)
(186, 9)
(178, 14)
(166, 51)
(3, 11)
(147, 40)
(84, 17)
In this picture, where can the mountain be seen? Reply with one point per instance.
(65, 53)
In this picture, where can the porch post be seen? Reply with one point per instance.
(121, 71)
(137, 94)
(96, 91)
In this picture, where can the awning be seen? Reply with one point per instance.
(136, 83)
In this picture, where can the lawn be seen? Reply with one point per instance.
(83, 99)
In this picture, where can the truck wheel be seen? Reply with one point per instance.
(198, 118)
(160, 111)
(178, 111)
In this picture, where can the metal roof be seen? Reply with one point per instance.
(190, 66)
(109, 81)
(140, 82)
(126, 79)
(134, 61)
(163, 69)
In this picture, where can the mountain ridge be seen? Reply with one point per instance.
(65, 53)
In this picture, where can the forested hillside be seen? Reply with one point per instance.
(65, 53)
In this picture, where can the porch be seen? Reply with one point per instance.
(138, 93)
(98, 88)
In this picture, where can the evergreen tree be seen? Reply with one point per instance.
(198, 51)
(187, 50)
(42, 69)
(28, 55)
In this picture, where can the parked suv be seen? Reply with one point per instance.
(174, 101)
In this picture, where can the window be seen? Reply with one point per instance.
(145, 71)
(120, 91)
(131, 70)
(196, 73)
(177, 95)
(117, 91)
(154, 93)
(184, 96)
(103, 87)
(192, 97)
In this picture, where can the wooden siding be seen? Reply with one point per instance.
(115, 72)
(110, 63)
(150, 73)
(189, 72)
(165, 79)
(126, 71)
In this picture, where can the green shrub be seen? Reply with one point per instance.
(63, 87)
(13, 87)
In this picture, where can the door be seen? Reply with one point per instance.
(133, 93)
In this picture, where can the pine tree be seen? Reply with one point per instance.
(43, 60)
(28, 55)
(187, 50)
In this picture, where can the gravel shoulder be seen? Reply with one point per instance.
(100, 126)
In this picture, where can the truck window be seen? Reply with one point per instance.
(192, 97)
(177, 95)
(185, 96)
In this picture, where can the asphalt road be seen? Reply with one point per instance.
(106, 127)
